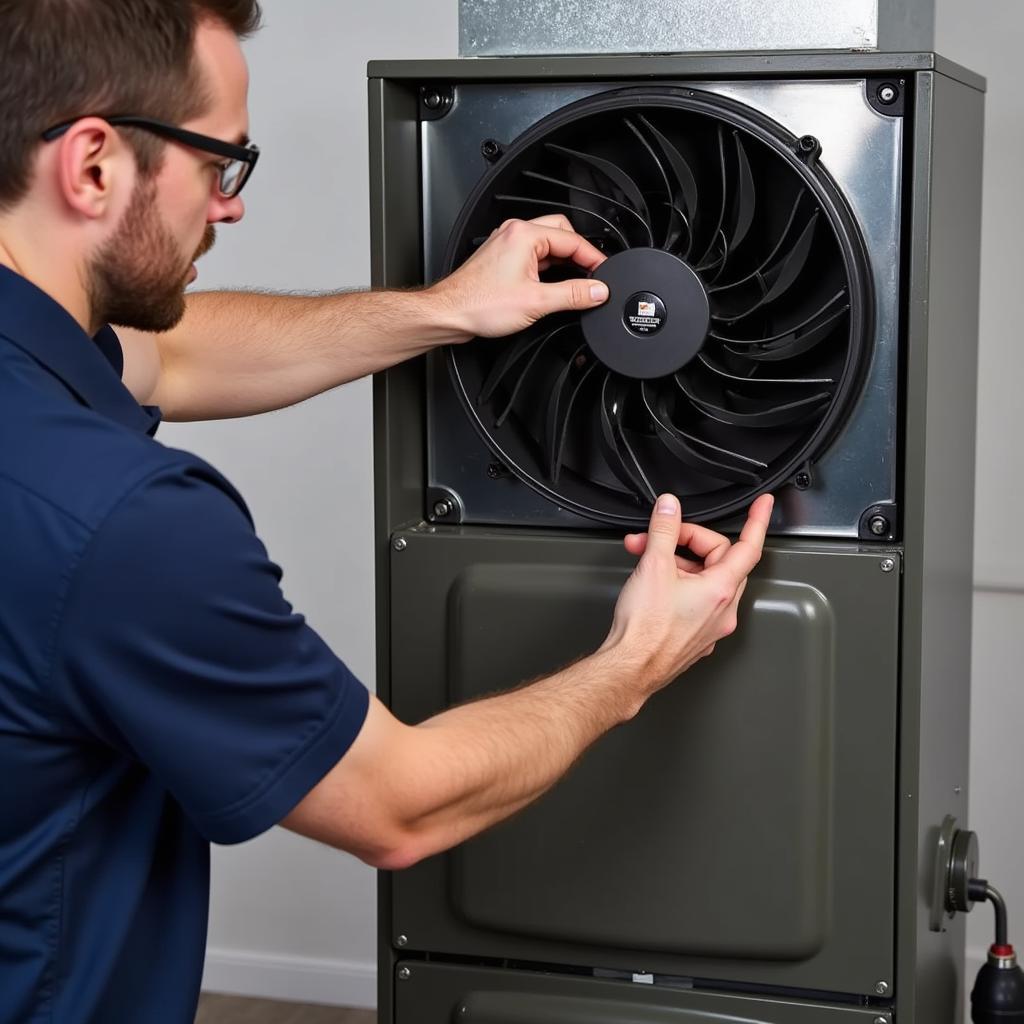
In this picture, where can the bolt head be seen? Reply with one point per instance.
(443, 507)
(887, 564)
(402, 940)
(802, 481)
(878, 525)
(432, 100)
(881, 988)
(881, 1020)
(404, 973)
(887, 94)
(400, 544)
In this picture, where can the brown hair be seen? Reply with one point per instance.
(61, 59)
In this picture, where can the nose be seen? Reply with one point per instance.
(226, 211)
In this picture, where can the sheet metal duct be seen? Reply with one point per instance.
(489, 28)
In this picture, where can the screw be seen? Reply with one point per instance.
(887, 564)
(887, 93)
(882, 988)
(802, 481)
(491, 149)
(399, 544)
(443, 507)
(432, 100)
(402, 940)
(495, 470)
(808, 143)
(878, 525)
(880, 1020)
(404, 973)
(957, 790)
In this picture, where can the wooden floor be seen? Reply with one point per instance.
(215, 1009)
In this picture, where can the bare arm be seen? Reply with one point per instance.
(403, 792)
(239, 353)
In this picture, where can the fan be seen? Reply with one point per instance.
(736, 336)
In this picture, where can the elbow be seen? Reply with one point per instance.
(397, 855)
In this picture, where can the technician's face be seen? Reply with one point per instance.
(138, 278)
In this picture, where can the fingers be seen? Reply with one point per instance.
(554, 220)
(576, 294)
(742, 556)
(663, 531)
(559, 243)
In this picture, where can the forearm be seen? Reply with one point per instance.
(483, 761)
(241, 353)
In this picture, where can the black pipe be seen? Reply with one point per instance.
(978, 889)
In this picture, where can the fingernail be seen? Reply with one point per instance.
(599, 292)
(667, 505)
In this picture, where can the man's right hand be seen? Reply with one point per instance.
(673, 610)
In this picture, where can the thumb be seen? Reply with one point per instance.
(663, 533)
(576, 294)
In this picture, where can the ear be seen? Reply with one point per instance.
(95, 168)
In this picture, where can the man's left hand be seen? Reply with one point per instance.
(498, 290)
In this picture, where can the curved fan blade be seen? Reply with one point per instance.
(564, 206)
(661, 171)
(570, 381)
(784, 336)
(618, 453)
(800, 343)
(524, 373)
(768, 260)
(680, 168)
(746, 195)
(597, 195)
(784, 414)
(723, 374)
(682, 446)
(702, 263)
(510, 356)
(615, 174)
(782, 276)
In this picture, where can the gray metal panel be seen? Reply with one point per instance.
(862, 151)
(432, 993)
(942, 335)
(489, 28)
(771, 65)
(747, 813)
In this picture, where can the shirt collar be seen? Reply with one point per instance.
(90, 368)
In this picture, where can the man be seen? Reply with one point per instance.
(156, 690)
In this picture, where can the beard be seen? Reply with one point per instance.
(137, 278)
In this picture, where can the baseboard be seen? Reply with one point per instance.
(297, 979)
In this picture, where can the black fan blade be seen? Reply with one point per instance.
(662, 173)
(615, 174)
(511, 355)
(769, 259)
(531, 200)
(702, 263)
(724, 374)
(596, 195)
(618, 454)
(779, 414)
(687, 195)
(746, 195)
(525, 371)
(560, 405)
(684, 446)
(784, 414)
(783, 275)
(787, 335)
(800, 343)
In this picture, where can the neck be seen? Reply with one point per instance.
(61, 279)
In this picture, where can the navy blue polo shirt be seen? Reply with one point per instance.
(157, 692)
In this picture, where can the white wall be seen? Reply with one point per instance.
(986, 37)
(290, 918)
(294, 920)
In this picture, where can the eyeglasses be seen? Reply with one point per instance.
(233, 174)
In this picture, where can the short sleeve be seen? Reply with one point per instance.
(177, 648)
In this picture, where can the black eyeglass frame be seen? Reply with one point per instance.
(247, 154)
